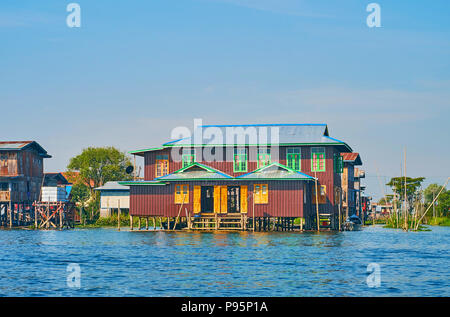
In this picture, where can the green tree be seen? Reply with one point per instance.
(98, 165)
(95, 167)
(431, 191)
(80, 194)
(386, 200)
(443, 203)
(412, 188)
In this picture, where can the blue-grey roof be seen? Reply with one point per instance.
(262, 134)
(195, 171)
(275, 171)
(20, 145)
(113, 186)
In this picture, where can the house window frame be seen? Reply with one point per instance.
(289, 155)
(338, 163)
(266, 156)
(322, 198)
(317, 151)
(188, 157)
(261, 193)
(241, 165)
(164, 170)
(181, 189)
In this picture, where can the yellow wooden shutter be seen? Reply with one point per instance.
(177, 194)
(217, 199)
(257, 193)
(223, 199)
(244, 199)
(264, 194)
(322, 194)
(185, 194)
(197, 196)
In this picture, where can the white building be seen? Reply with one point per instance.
(112, 196)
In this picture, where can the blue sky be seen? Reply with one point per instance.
(137, 69)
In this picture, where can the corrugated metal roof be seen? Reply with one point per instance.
(263, 134)
(13, 145)
(276, 171)
(352, 157)
(266, 134)
(20, 145)
(195, 171)
(113, 186)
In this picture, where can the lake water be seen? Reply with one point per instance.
(34, 263)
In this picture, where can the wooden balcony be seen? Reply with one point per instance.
(5, 195)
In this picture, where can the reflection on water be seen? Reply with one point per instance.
(33, 263)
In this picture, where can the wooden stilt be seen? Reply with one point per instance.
(139, 223)
(118, 215)
(35, 216)
(60, 218)
(131, 222)
(146, 223)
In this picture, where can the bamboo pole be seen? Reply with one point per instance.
(317, 202)
(423, 215)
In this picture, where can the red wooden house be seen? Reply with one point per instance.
(349, 193)
(271, 176)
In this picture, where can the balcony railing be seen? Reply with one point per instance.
(5, 196)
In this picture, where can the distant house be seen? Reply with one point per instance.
(349, 195)
(21, 172)
(55, 188)
(112, 196)
(358, 175)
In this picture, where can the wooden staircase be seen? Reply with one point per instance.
(219, 222)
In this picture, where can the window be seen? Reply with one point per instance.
(188, 156)
(317, 159)
(264, 158)
(322, 198)
(240, 160)
(338, 163)
(261, 193)
(293, 158)
(181, 194)
(162, 165)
